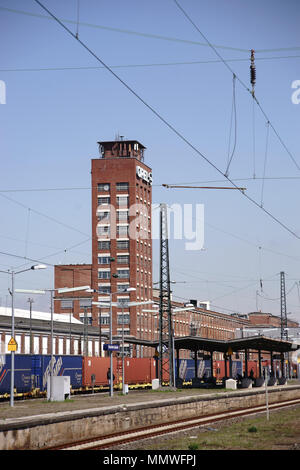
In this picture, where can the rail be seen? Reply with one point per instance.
(112, 440)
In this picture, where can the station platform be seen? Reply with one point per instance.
(38, 423)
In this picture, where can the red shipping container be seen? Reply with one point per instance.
(137, 370)
(97, 366)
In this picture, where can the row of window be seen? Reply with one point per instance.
(121, 259)
(106, 289)
(122, 201)
(42, 345)
(121, 274)
(121, 320)
(104, 230)
(105, 216)
(105, 245)
(119, 187)
(83, 303)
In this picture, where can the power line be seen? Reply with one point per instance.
(42, 214)
(241, 82)
(147, 35)
(239, 179)
(265, 163)
(270, 178)
(172, 128)
(124, 31)
(42, 244)
(233, 116)
(161, 64)
(13, 255)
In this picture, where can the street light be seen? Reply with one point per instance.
(122, 305)
(12, 373)
(59, 291)
(174, 312)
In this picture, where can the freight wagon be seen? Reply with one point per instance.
(32, 371)
(90, 373)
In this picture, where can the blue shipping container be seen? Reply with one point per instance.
(187, 368)
(32, 371)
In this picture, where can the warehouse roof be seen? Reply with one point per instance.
(19, 312)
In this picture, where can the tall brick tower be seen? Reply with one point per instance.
(121, 234)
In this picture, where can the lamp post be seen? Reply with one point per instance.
(102, 304)
(175, 311)
(122, 305)
(30, 324)
(52, 291)
(12, 292)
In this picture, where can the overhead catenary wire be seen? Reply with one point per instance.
(201, 187)
(273, 178)
(159, 116)
(253, 139)
(265, 164)
(233, 117)
(124, 31)
(240, 81)
(159, 64)
(42, 214)
(27, 231)
(77, 24)
(148, 35)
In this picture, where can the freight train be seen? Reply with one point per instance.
(91, 373)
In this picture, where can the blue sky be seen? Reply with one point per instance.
(60, 102)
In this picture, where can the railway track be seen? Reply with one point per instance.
(125, 437)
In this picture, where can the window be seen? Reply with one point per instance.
(122, 230)
(103, 200)
(122, 201)
(123, 302)
(103, 320)
(103, 274)
(68, 304)
(123, 259)
(122, 244)
(104, 289)
(103, 187)
(123, 273)
(103, 230)
(122, 186)
(103, 216)
(125, 320)
(103, 259)
(87, 320)
(103, 245)
(122, 215)
(122, 287)
(84, 303)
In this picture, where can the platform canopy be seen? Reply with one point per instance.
(262, 343)
(196, 343)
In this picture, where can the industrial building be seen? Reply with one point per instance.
(121, 266)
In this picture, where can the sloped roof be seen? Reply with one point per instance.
(36, 315)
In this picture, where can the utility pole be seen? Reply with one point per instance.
(166, 334)
(283, 318)
(30, 325)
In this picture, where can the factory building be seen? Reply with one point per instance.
(121, 267)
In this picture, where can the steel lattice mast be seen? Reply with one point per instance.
(284, 331)
(166, 349)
